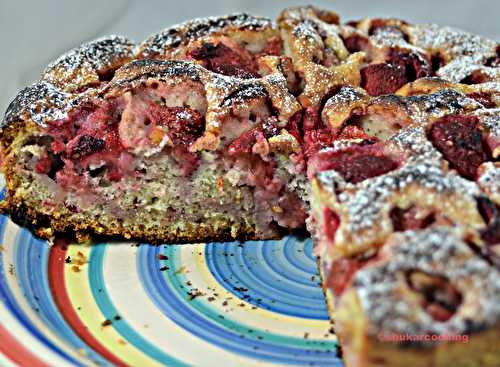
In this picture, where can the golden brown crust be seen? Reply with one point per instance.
(48, 227)
(312, 40)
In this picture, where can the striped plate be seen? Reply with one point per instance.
(230, 304)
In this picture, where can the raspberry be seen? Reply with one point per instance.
(399, 69)
(87, 145)
(224, 60)
(379, 79)
(331, 222)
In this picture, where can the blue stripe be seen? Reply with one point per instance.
(272, 282)
(103, 301)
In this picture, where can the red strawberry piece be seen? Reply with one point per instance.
(356, 42)
(184, 124)
(379, 79)
(244, 143)
(224, 60)
(342, 271)
(356, 163)
(460, 141)
(331, 222)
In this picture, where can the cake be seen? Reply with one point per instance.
(380, 137)
(110, 142)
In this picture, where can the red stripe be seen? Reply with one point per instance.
(16, 352)
(56, 281)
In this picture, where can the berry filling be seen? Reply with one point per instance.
(379, 79)
(409, 219)
(331, 223)
(356, 163)
(460, 141)
(437, 296)
(85, 145)
(317, 136)
(476, 77)
(396, 71)
(356, 43)
(353, 132)
(101, 139)
(483, 98)
(132, 156)
(274, 47)
(184, 125)
(246, 141)
(342, 271)
(415, 65)
(491, 215)
(225, 60)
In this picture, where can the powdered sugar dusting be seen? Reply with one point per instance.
(440, 252)
(489, 180)
(344, 96)
(180, 34)
(365, 204)
(413, 141)
(96, 57)
(451, 41)
(460, 68)
(40, 102)
(424, 108)
(490, 119)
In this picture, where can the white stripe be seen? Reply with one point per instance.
(6, 362)
(27, 339)
(200, 276)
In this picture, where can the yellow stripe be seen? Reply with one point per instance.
(80, 294)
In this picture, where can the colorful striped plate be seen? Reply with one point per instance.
(230, 304)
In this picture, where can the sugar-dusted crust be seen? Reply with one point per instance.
(364, 209)
(222, 93)
(90, 63)
(173, 41)
(383, 188)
